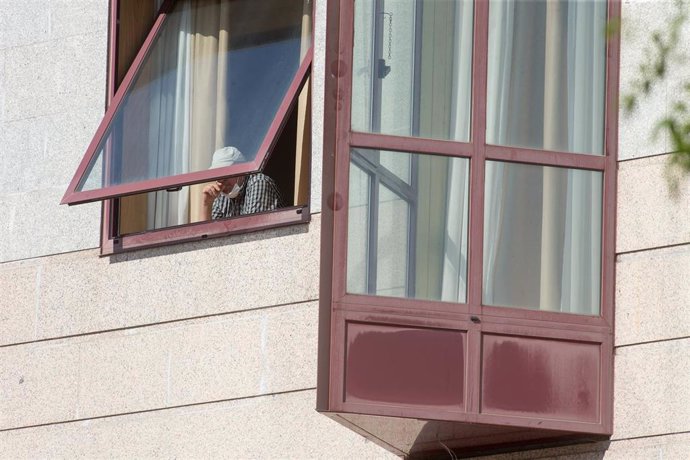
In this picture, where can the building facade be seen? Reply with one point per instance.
(205, 343)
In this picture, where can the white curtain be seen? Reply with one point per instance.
(454, 274)
(169, 130)
(542, 226)
(188, 108)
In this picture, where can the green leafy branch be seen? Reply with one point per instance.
(659, 56)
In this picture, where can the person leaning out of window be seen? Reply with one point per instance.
(237, 196)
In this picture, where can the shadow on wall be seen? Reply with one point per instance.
(291, 230)
(433, 433)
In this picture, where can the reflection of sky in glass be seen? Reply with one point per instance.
(259, 78)
(144, 138)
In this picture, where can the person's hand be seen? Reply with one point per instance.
(211, 192)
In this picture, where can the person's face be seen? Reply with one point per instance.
(228, 183)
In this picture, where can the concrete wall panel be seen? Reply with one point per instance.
(55, 77)
(65, 229)
(23, 23)
(121, 372)
(19, 287)
(640, 19)
(81, 292)
(2, 98)
(280, 426)
(223, 357)
(652, 389)
(36, 21)
(52, 89)
(649, 215)
(319, 70)
(38, 383)
(34, 150)
(652, 295)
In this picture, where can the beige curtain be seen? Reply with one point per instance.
(210, 45)
(303, 143)
(555, 134)
(545, 91)
(200, 115)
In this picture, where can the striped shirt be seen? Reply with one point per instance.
(258, 194)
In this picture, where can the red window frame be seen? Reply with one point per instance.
(111, 241)
(337, 307)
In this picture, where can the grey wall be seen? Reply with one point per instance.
(52, 83)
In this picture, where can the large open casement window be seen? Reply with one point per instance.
(210, 74)
(468, 222)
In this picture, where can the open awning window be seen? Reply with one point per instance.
(211, 74)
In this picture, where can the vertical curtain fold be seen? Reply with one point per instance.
(454, 272)
(191, 125)
(303, 143)
(561, 44)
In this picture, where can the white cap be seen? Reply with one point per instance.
(226, 156)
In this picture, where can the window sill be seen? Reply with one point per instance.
(205, 230)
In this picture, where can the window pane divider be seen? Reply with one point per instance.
(546, 157)
(410, 144)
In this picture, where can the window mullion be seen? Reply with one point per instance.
(476, 230)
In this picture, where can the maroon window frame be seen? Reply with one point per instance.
(111, 240)
(338, 308)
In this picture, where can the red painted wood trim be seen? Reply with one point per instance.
(535, 320)
(326, 276)
(545, 157)
(339, 199)
(608, 282)
(210, 229)
(475, 270)
(410, 144)
(113, 33)
(91, 151)
(610, 175)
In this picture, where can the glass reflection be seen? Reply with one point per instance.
(542, 238)
(407, 225)
(412, 68)
(546, 75)
(214, 77)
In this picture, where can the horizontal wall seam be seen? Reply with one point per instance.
(100, 33)
(172, 321)
(655, 155)
(158, 409)
(95, 248)
(647, 342)
(633, 438)
(46, 256)
(654, 248)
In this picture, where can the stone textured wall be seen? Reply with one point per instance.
(156, 354)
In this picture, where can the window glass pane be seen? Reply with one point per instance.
(408, 238)
(412, 68)
(400, 165)
(542, 238)
(393, 235)
(546, 75)
(357, 230)
(214, 77)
